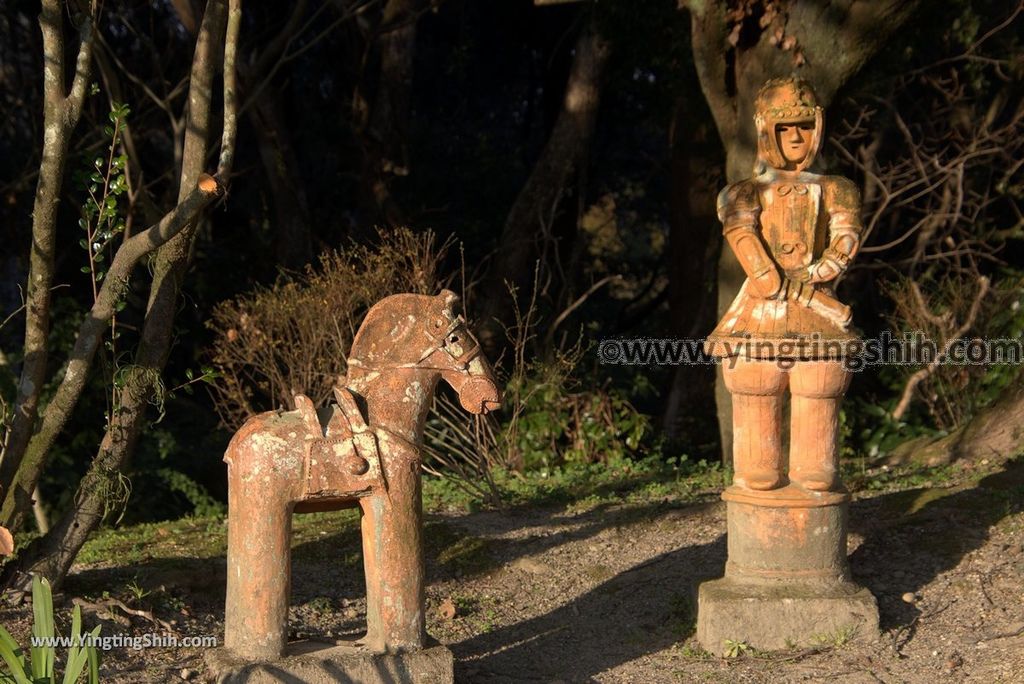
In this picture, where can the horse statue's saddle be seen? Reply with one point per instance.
(341, 458)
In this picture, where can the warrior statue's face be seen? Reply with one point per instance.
(794, 141)
(789, 125)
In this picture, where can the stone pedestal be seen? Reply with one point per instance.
(313, 662)
(787, 581)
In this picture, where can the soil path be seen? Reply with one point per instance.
(606, 594)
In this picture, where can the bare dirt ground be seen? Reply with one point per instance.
(606, 594)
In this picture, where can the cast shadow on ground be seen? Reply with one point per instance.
(397, 673)
(560, 529)
(639, 611)
(452, 553)
(924, 532)
(340, 541)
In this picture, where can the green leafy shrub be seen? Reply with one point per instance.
(39, 667)
(203, 505)
(550, 423)
(557, 422)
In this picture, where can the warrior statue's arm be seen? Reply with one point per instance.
(739, 210)
(844, 228)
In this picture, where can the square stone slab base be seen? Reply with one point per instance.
(312, 662)
(784, 616)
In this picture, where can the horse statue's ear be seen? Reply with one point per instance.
(452, 303)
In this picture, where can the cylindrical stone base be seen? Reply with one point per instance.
(786, 534)
(787, 580)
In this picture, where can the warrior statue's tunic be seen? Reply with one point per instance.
(782, 227)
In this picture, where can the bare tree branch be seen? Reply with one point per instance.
(82, 69)
(550, 335)
(53, 554)
(227, 146)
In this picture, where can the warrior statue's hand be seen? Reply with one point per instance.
(767, 282)
(823, 270)
(795, 289)
(832, 262)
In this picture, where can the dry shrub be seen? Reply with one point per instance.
(948, 310)
(935, 317)
(940, 149)
(294, 337)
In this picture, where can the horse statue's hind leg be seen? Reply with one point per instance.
(259, 535)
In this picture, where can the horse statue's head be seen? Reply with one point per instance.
(424, 333)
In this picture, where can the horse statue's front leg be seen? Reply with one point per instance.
(392, 530)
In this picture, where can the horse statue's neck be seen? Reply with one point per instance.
(397, 399)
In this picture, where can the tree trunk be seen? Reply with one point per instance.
(833, 41)
(52, 555)
(693, 244)
(292, 236)
(61, 112)
(529, 221)
(385, 153)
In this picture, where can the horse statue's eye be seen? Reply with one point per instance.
(438, 323)
(454, 339)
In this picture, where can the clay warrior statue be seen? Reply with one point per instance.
(793, 232)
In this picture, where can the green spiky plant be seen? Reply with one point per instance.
(39, 668)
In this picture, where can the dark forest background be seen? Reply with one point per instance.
(556, 164)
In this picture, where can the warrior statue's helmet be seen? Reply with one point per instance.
(788, 100)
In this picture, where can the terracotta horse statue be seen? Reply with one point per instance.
(361, 451)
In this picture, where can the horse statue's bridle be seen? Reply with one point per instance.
(439, 343)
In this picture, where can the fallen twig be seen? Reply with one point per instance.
(106, 606)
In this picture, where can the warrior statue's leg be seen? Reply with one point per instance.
(757, 389)
(817, 388)
(393, 558)
(259, 571)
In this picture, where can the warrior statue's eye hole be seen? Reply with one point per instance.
(786, 128)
